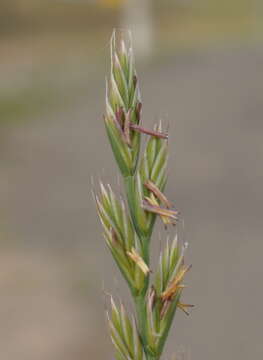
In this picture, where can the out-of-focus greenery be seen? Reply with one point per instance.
(78, 14)
(56, 15)
(73, 35)
(26, 103)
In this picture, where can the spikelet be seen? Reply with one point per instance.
(153, 166)
(121, 239)
(123, 105)
(124, 335)
(163, 298)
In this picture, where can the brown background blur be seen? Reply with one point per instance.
(200, 65)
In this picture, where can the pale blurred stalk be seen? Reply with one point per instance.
(257, 14)
(137, 16)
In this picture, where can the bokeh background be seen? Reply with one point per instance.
(200, 65)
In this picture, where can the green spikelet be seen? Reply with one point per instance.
(153, 165)
(124, 334)
(123, 105)
(121, 239)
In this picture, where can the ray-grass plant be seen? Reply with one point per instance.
(128, 228)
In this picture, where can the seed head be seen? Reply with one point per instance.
(128, 232)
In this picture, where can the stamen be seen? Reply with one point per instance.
(121, 125)
(138, 260)
(184, 307)
(157, 192)
(149, 206)
(139, 111)
(119, 116)
(148, 132)
(151, 298)
(175, 283)
(165, 308)
(126, 127)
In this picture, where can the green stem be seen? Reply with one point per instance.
(130, 193)
(141, 316)
(139, 300)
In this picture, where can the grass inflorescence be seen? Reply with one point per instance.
(128, 225)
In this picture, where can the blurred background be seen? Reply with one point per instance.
(200, 65)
